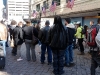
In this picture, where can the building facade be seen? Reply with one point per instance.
(17, 8)
(83, 10)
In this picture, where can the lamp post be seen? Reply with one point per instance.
(29, 9)
(40, 14)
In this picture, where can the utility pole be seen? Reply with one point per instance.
(29, 9)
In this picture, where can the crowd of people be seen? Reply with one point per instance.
(58, 41)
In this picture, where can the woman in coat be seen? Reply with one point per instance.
(18, 39)
(58, 42)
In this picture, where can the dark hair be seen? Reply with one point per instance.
(58, 25)
(47, 22)
(68, 20)
(98, 20)
(13, 22)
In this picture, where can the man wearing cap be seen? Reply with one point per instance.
(80, 38)
(43, 36)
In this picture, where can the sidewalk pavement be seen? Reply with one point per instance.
(13, 67)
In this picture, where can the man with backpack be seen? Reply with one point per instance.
(95, 53)
(80, 36)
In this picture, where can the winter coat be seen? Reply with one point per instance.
(18, 35)
(43, 34)
(3, 32)
(29, 31)
(78, 34)
(71, 33)
(58, 40)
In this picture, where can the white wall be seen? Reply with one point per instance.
(43, 20)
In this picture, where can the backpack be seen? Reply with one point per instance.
(91, 37)
(83, 31)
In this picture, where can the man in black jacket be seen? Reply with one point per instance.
(69, 49)
(43, 36)
(18, 39)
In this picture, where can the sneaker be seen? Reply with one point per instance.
(82, 53)
(19, 59)
(42, 62)
(49, 63)
(72, 64)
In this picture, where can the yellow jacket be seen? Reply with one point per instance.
(78, 33)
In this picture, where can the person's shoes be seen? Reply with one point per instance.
(67, 65)
(82, 53)
(72, 64)
(14, 54)
(42, 62)
(60, 73)
(55, 73)
(50, 63)
(19, 59)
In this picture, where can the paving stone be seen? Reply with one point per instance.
(82, 65)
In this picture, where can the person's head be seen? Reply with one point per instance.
(98, 20)
(91, 23)
(47, 23)
(28, 22)
(57, 20)
(13, 22)
(20, 23)
(67, 21)
(78, 24)
(38, 22)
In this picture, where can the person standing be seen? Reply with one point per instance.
(80, 38)
(69, 50)
(43, 36)
(95, 52)
(29, 30)
(18, 39)
(58, 42)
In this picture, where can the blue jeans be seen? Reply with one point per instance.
(3, 42)
(43, 50)
(58, 61)
(69, 54)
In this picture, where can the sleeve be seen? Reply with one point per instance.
(21, 34)
(40, 34)
(49, 37)
(35, 32)
(78, 31)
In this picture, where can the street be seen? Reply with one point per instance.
(13, 67)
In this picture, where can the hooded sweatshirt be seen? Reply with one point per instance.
(71, 32)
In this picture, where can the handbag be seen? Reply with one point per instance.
(34, 39)
(12, 43)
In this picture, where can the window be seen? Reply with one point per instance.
(46, 4)
(38, 7)
(58, 2)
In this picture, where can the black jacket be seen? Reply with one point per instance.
(71, 33)
(43, 34)
(58, 40)
(29, 31)
(18, 35)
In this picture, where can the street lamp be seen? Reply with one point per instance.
(40, 14)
